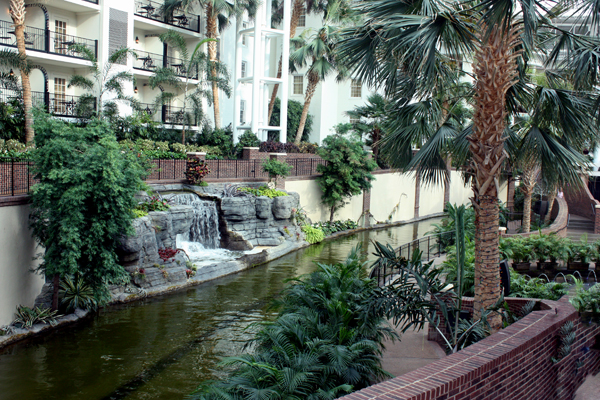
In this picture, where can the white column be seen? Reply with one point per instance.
(237, 73)
(257, 68)
(285, 67)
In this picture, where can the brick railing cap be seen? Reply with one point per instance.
(196, 153)
(251, 148)
(278, 154)
(597, 205)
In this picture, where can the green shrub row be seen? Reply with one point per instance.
(330, 228)
(548, 248)
(263, 191)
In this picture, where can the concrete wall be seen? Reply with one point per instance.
(17, 284)
(393, 195)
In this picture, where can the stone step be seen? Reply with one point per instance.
(577, 235)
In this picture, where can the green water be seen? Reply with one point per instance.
(163, 347)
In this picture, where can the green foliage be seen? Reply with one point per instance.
(567, 339)
(535, 288)
(294, 113)
(12, 121)
(155, 203)
(27, 317)
(83, 202)
(15, 149)
(330, 227)
(138, 213)
(219, 138)
(586, 300)
(263, 191)
(312, 234)
(276, 168)
(581, 251)
(75, 293)
(517, 248)
(324, 342)
(448, 224)
(347, 173)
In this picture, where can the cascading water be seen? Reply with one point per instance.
(202, 242)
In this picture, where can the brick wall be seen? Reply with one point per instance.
(560, 215)
(514, 363)
(580, 200)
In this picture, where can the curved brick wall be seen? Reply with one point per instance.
(559, 226)
(515, 363)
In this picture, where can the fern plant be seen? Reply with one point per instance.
(75, 293)
(312, 235)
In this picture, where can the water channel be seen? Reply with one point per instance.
(164, 347)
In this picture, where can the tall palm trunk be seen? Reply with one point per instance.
(17, 13)
(495, 72)
(551, 198)
(296, 10)
(527, 184)
(211, 32)
(313, 80)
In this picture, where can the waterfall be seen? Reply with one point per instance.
(205, 224)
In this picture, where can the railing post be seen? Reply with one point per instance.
(165, 63)
(47, 40)
(12, 176)
(173, 161)
(47, 101)
(96, 48)
(163, 113)
(28, 176)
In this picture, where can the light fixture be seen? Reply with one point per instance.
(11, 72)
(135, 90)
(137, 40)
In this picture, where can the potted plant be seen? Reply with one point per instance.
(520, 251)
(580, 254)
(542, 246)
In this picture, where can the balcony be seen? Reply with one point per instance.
(46, 41)
(151, 61)
(56, 104)
(151, 10)
(168, 114)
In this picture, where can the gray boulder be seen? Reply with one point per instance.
(263, 207)
(282, 207)
(238, 208)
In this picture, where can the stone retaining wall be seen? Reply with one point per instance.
(560, 214)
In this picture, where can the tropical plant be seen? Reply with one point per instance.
(276, 169)
(324, 342)
(331, 227)
(294, 114)
(262, 190)
(27, 317)
(312, 235)
(370, 122)
(196, 66)
(536, 288)
(83, 201)
(517, 248)
(415, 52)
(104, 81)
(315, 50)
(218, 17)
(154, 203)
(581, 251)
(75, 293)
(586, 300)
(347, 171)
(17, 14)
(12, 120)
(448, 225)
(195, 171)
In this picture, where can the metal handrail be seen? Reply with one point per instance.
(386, 276)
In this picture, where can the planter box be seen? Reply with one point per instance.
(547, 265)
(578, 266)
(525, 266)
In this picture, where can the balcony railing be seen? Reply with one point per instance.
(46, 41)
(92, 1)
(152, 10)
(151, 61)
(60, 105)
(168, 114)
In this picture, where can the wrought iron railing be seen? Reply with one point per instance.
(46, 41)
(146, 61)
(57, 104)
(178, 116)
(92, 1)
(431, 246)
(181, 19)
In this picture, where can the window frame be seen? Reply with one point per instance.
(294, 83)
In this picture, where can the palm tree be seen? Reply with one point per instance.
(17, 13)
(197, 65)
(317, 51)
(104, 80)
(410, 49)
(370, 119)
(218, 17)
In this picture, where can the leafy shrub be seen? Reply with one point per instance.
(220, 138)
(247, 139)
(195, 170)
(276, 147)
(312, 234)
(138, 213)
(263, 191)
(27, 317)
(330, 228)
(308, 148)
(12, 121)
(324, 343)
(448, 224)
(75, 293)
(15, 149)
(276, 168)
(153, 204)
(586, 300)
(294, 114)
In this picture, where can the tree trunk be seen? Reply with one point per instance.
(17, 13)
(528, 181)
(551, 198)
(495, 72)
(313, 80)
(296, 10)
(211, 32)
(331, 213)
(55, 287)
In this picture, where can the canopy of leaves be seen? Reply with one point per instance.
(347, 172)
(84, 200)
(323, 344)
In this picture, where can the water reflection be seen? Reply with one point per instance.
(162, 348)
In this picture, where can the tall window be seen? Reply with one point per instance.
(302, 18)
(244, 26)
(244, 68)
(61, 44)
(298, 84)
(242, 111)
(60, 89)
(356, 88)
